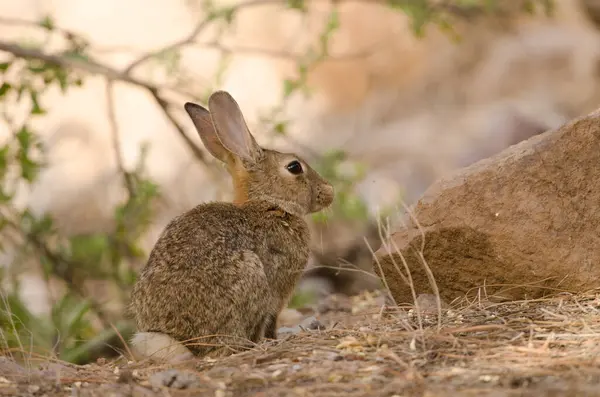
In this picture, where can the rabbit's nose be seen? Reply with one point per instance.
(327, 193)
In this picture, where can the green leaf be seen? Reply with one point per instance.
(4, 196)
(333, 23)
(4, 150)
(62, 77)
(302, 299)
(36, 66)
(24, 137)
(355, 208)
(228, 14)
(320, 217)
(128, 276)
(74, 317)
(29, 169)
(43, 225)
(4, 89)
(35, 108)
(46, 266)
(418, 10)
(289, 86)
(529, 6)
(47, 23)
(299, 5)
(280, 128)
(76, 55)
(549, 6)
(4, 66)
(446, 27)
(89, 249)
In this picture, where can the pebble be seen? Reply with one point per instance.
(428, 303)
(310, 323)
(175, 379)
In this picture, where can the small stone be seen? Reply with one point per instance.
(413, 344)
(11, 370)
(428, 303)
(289, 330)
(489, 378)
(312, 323)
(125, 376)
(276, 374)
(175, 379)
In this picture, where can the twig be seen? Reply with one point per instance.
(112, 121)
(131, 355)
(64, 62)
(281, 54)
(111, 74)
(179, 43)
(191, 37)
(38, 24)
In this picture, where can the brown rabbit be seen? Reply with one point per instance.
(220, 274)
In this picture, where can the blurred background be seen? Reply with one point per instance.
(382, 97)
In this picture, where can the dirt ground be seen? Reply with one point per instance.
(540, 348)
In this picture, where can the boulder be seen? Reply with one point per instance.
(517, 225)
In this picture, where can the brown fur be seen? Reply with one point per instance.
(222, 272)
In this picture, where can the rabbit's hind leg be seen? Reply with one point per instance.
(159, 346)
(271, 326)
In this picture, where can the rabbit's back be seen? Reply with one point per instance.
(221, 269)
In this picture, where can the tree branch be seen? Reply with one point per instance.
(179, 43)
(200, 26)
(114, 129)
(111, 74)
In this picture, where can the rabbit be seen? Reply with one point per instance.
(220, 274)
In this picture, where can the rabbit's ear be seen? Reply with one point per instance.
(206, 129)
(231, 127)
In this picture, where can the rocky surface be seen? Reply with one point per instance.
(516, 225)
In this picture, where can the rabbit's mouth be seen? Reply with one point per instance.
(323, 198)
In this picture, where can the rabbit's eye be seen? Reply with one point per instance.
(295, 167)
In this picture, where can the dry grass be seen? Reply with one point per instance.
(531, 348)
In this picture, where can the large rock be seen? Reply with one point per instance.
(522, 223)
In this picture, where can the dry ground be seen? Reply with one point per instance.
(532, 348)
